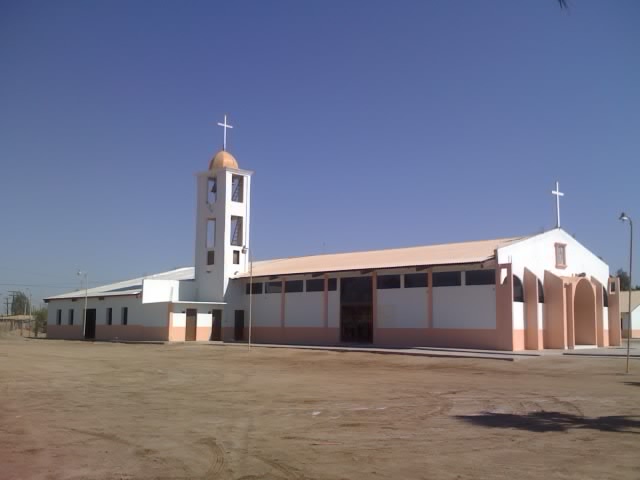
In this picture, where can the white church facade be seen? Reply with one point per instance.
(534, 292)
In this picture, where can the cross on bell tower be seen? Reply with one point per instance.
(224, 126)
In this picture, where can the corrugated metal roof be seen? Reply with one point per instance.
(624, 300)
(127, 287)
(442, 254)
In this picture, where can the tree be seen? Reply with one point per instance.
(625, 281)
(20, 304)
(40, 321)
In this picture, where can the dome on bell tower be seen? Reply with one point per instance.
(223, 159)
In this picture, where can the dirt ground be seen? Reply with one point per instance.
(74, 410)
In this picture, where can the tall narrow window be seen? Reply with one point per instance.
(561, 255)
(71, 316)
(211, 233)
(211, 257)
(125, 315)
(236, 257)
(212, 191)
(109, 316)
(237, 188)
(59, 317)
(236, 231)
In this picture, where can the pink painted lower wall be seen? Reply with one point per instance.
(178, 334)
(68, 332)
(291, 335)
(437, 337)
(131, 333)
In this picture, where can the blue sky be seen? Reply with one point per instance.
(369, 125)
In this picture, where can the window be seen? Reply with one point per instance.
(315, 285)
(236, 231)
(237, 188)
(125, 315)
(612, 286)
(293, 286)
(561, 255)
(333, 284)
(70, 317)
(212, 190)
(518, 291)
(273, 287)
(109, 316)
(211, 257)
(211, 233)
(415, 280)
(447, 279)
(256, 287)
(236, 257)
(480, 277)
(59, 317)
(605, 297)
(540, 292)
(385, 282)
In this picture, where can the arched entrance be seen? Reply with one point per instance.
(584, 313)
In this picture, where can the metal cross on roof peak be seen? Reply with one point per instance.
(224, 125)
(558, 194)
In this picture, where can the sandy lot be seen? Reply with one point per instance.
(73, 410)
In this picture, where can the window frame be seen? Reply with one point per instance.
(291, 286)
(273, 287)
(409, 284)
(239, 192)
(490, 274)
(124, 316)
(70, 316)
(109, 315)
(388, 281)
(59, 317)
(314, 281)
(239, 242)
(436, 275)
(255, 286)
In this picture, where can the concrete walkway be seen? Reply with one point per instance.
(417, 351)
(613, 352)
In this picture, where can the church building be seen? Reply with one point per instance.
(543, 291)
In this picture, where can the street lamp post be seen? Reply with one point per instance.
(625, 218)
(86, 294)
(246, 250)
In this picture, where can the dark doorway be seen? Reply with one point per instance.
(356, 310)
(216, 325)
(238, 331)
(192, 325)
(584, 314)
(90, 324)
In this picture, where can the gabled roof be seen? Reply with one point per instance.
(127, 287)
(624, 300)
(429, 255)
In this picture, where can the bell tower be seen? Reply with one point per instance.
(222, 224)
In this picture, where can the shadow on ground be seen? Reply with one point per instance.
(553, 422)
(633, 384)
